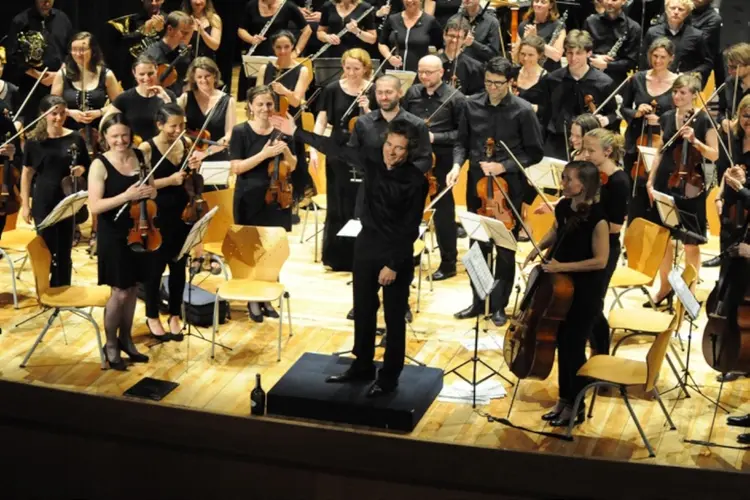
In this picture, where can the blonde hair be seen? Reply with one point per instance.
(3, 59)
(608, 139)
(688, 4)
(579, 39)
(206, 64)
(361, 56)
(690, 80)
(744, 104)
(739, 54)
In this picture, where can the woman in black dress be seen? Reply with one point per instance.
(442, 10)
(605, 150)
(690, 199)
(207, 27)
(580, 249)
(253, 147)
(543, 20)
(171, 199)
(412, 32)
(528, 74)
(638, 98)
(338, 252)
(337, 15)
(112, 183)
(48, 158)
(140, 104)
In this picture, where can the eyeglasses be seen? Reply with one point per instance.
(494, 83)
(427, 71)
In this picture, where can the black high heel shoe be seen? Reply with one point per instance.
(268, 311)
(258, 318)
(120, 366)
(177, 337)
(135, 357)
(159, 338)
(564, 420)
(657, 305)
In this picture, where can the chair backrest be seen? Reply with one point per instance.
(11, 221)
(657, 351)
(646, 243)
(41, 259)
(714, 222)
(217, 228)
(255, 253)
(319, 175)
(540, 224)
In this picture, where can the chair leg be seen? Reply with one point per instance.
(429, 269)
(672, 427)
(12, 277)
(419, 283)
(50, 320)
(315, 248)
(23, 264)
(89, 316)
(288, 313)
(593, 400)
(281, 324)
(304, 224)
(577, 404)
(216, 324)
(624, 393)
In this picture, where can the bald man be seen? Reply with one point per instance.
(434, 100)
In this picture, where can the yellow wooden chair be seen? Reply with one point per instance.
(624, 374)
(62, 298)
(645, 243)
(217, 228)
(713, 247)
(539, 224)
(14, 241)
(255, 256)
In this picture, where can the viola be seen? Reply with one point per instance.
(647, 139)
(10, 198)
(279, 171)
(687, 160)
(73, 184)
(493, 202)
(167, 73)
(144, 236)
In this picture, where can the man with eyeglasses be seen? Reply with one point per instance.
(499, 115)
(435, 101)
(468, 72)
(168, 49)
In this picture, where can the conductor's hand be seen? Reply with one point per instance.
(386, 276)
(741, 250)
(284, 125)
(177, 178)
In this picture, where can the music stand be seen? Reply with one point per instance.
(547, 173)
(407, 78)
(647, 154)
(326, 69)
(193, 239)
(215, 173)
(252, 64)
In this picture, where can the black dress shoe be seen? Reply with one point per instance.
(351, 375)
(258, 318)
(380, 388)
(268, 311)
(499, 318)
(350, 314)
(715, 262)
(564, 419)
(743, 421)
(120, 366)
(135, 357)
(743, 439)
(443, 274)
(667, 298)
(470, 312)
(409, 317)
(165, 337)
(551, 415)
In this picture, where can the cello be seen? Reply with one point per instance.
(494, 205)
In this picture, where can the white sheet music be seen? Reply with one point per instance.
(215, 173)
(473, 226)
(684, 295)
(68, 206)
(648, 155)
(407, 78)
(547, 173)
(351, 229)
(252, 64)
(667, 209)
(482, 229)
(479, 272)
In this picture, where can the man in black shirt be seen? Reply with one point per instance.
(171, 49)
(706, 18)
(440, 106)
(562, 95)
(738, 64)
(468, 72)
(499, 115)
(616, 40)
(395, 191)
(483, 40)
(26, 63)
(691, 52)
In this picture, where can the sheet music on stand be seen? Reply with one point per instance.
(648, 154)
(667, 209)
(196, 234)
(215, 173)
(547, 173)
(68, 207)
(252, 64)
(407, 78)
(482, 229)
(351, 229)
(684, 295)
(479, 272)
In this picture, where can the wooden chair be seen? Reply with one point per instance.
(217, 229)
(255, 256)
(645, 243)
(62, 298)
(14, 241)
(713, 247)
(539, 224)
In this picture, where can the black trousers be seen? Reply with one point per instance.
(445, 212)
(366, 304)
(600, 328)
(571, 340)
(173, 237)
(59, 241)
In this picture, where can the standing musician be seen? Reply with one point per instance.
(605, 150)
(171, 198)
(11, 153)
(10, 94)
(707, 19)
(341, 191)
(483, 40)
(543, 20)
(442, 10)
(252, 149)
(339, 14)
(395, 190)
(581, 248)
(207, 27)
(293, 83)
(691, 53)
(571, 91)
(140, 104)
(686, 182)
(112, 183)
(498, 115)
(47, 160)
(38, 37)
(530, 73)
(638, 97)
(459, 70)
(168, 50)
(610, 30)
(412, 32)
(738, 65)
(423, 100)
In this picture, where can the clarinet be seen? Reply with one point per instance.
(555, 35)
(266, 28)
(385, 17)
(616, 47)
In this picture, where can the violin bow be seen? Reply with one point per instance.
(704, 105)
(528, 178)
(28, 96)
(23, 129)
(203, 128)
(437, 198)
(688, 122)
(567, 139)
(514, 211)
(614, 93)
(734, 111)
(442, 105)
(367, 87)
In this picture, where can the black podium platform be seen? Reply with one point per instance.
(302, 392)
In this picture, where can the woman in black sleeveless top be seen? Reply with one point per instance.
(543, 20)
(207, 27)
(112, 183)
(171, 200)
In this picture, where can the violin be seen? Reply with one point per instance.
(687, 159)
(144, 236)
(647, 139)
(203, 140)
(431, 179)
(167, 73)
(10, 198)
(194, 185)
(493, 202)
(588, 101)
(73, 184)
(279, 171)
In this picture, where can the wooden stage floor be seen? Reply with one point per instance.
(68, 359)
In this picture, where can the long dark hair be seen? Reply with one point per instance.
(40, 129)
(97, 57)
(588, 174)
